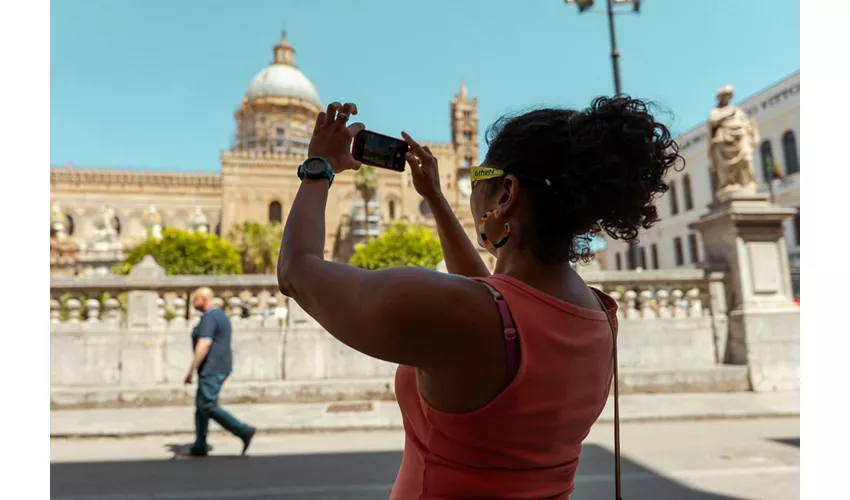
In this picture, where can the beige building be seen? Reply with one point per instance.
(671, 243)
(103, 210)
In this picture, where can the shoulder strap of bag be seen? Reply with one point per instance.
(618, 491)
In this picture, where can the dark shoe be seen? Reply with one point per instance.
(246, 441)
(196, 452)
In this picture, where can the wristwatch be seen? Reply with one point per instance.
(316, 167)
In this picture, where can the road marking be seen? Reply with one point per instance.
(379, 487)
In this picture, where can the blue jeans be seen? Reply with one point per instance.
(206, 408)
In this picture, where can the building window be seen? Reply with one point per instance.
(712, 180)
(643, 257)
(694, 247)
(280, 135)
(467, 137)
(789, 149)
(619, 259)
(797, 226)
(275, 212)
(391, 209)
(653, 251)
(689, 198)
(674, 202)
(467, 162)
(677, 248)
(766, 161)
(70, 225)
(467, 114)
(116, 224)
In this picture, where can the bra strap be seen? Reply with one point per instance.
(509, 330)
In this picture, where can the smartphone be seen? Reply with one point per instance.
(379, 150)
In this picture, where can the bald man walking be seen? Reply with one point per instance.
(213, 361)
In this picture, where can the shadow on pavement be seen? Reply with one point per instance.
(789, 441)
(357, 476)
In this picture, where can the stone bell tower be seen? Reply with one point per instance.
(464, 117)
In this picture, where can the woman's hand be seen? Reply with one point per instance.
(332, 139)
(424, 170)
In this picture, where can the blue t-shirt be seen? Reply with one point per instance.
(215, 325)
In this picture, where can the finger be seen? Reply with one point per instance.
(415, 164)
(320, 120)
(349, 108)
(428, 150)
(356, 165)
(417, 149)
(332, 110)
(355, 128)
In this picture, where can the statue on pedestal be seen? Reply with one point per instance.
(105, 235)
(58, 222)
(199, 222)
(153, 223)
(732, 141)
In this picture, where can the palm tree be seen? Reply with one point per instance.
(258, 244)
(366, 183)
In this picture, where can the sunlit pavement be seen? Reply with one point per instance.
(703, 460)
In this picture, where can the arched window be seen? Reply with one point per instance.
(674, 202)
(275, 212)
(391, 209)
(766, 161)
(789, 149)
(70, 225)
(689, 198)
(619, 259)
(116, 223)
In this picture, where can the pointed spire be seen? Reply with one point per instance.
(464, 93)
(283, 51)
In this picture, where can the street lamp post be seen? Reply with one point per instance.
(584, 5)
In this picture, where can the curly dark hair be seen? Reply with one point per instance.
(605, 166)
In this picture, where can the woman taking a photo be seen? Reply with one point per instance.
(500, 376)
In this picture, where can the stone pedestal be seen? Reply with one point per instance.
(743, 234)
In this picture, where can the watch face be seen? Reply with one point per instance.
(314, 166)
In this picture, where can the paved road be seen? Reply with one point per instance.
(709, 460)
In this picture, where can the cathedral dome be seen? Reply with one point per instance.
(281, 78)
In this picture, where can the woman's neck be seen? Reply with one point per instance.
(522, 266)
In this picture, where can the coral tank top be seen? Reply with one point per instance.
(526, 442)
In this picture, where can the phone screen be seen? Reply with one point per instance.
(379, 150)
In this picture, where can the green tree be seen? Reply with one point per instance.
(401, 245)
(184, 252)
(258, 245)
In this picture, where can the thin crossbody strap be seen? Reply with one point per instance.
(618, 491)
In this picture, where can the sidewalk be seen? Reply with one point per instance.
(385, 415)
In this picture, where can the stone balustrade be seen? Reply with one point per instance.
(114, 334)
(102, 299)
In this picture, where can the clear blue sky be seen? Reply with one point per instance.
(153, 84)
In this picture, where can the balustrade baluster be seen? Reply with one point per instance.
(678, 310)
(631, 310)
(55, 310)
(179, 320)
(113, 311)
(646, 310)
(694, 303)
(662, 298)
(74, 307)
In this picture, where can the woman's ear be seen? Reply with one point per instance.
(509, 196)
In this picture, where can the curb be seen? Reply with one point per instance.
(333, 429)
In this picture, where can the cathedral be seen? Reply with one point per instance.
(97, 215)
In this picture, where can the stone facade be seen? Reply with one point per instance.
(258, 179)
